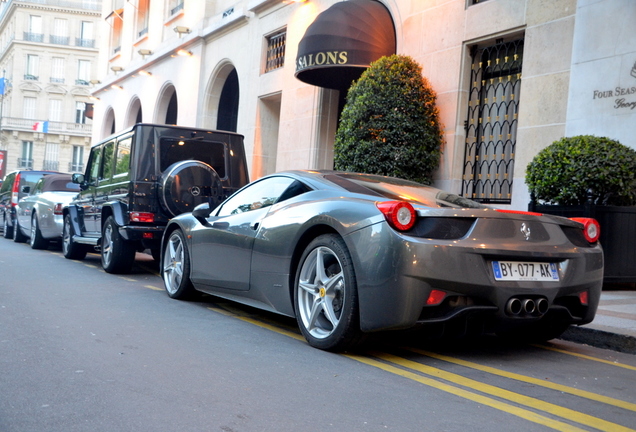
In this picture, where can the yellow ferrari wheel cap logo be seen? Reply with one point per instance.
(323, 292)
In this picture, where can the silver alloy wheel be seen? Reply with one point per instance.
(34, 221)
(321, 292)
(173, 258)
(107, 245)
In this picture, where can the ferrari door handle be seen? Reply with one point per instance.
(254, 225)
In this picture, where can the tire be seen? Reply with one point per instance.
(18, 237)
(175, 267)
(186, 184)
(325, 295)
(7, 231)
(37, 241)
(118, 255)
(70, 249)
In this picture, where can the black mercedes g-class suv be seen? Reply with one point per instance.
(136, 180)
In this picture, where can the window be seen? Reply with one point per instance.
(259, 195)
(142, 17)
(55, 110)
(116, 21)
(174, 7)
(80, 112)
(58, 65)
(107, 160)
(51, 156)
(33, 65)
(275, 57)
(77, 163)
(122, 162)
(28, 107)
(491, 126)
(83, 72)
(26, 161)
(86, 38)
(35, 29)
(94, 163)
(60, 32)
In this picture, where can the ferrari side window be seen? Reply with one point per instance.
(258, 195)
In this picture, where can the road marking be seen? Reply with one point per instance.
(154, 288)
(520, 399)
(587, 357)
(535, 381)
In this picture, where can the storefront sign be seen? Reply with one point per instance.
(624, 97)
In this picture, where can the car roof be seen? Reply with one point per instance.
(59, 183)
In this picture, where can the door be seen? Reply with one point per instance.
(222, 249)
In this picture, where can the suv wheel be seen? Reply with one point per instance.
(70, 249)
(118, 255)
(7, 231)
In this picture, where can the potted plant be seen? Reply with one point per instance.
(593, 177)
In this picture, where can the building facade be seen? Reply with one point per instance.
(511, 76)
(49, 52)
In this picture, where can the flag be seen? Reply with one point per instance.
(2, 86)
(41, 127)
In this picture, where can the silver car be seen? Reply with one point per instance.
(348, 254)
(39, 214)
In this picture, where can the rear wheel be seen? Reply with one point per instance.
(70, 249)
(325, 295)
(176, 267)
(37, 241)
(118, 255)
(7, 231)
(18, 237)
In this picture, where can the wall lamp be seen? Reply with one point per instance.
(183, 52)
(182, 30)
(144, 52)
(95, 81)
(116, 68)
(145, 73)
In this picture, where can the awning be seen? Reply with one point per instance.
(343, 41)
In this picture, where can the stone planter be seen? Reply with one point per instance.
(618, 235)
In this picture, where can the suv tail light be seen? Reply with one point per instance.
(57, 210)
(399, 214)
(591, 228)
(142, 217)
(15, 191)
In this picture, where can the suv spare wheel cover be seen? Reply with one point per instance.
(186, 184)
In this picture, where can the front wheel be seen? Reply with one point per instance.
(7, 231)
(18, 237)
(176, 267)
(325, 295)
(70, 249)
(118, 255)
(37, 241)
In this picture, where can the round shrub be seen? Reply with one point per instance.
(390, 123)
(572, 169)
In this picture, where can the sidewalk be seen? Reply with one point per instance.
(614, 326)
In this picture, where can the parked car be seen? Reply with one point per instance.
(16, 185)
(352, 253)
(136, 180)
(39, 214)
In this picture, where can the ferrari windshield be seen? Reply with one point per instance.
(399, 189)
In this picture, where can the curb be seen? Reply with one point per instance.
(600, 339)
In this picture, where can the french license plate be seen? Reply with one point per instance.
(525, 271)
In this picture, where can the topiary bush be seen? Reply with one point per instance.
(390, 123)
(571, 169)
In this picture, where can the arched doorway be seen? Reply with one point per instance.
(134, 113)
(108, 125)
(167, 106)
(228, 104)
(222, 99)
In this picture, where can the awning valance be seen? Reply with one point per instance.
(343, 41)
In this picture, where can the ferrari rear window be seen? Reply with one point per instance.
(399, 189)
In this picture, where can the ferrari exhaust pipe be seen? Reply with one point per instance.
(528, 306)
(542, 306)
(513, 307)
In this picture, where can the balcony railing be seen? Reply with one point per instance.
(33, 37)
(26, 125)
(75, 167)
(81, 82)
(59, 40)
(57, 80)
(176, 9)
(85, 43)
(30, 77)
(50, 165)
(25, 163)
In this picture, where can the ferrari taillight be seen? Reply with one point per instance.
(399, 214)
(591, 228)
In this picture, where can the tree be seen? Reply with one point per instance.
(390, 123)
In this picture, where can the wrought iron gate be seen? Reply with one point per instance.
(491, 126)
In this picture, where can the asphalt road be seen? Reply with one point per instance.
(83, 350)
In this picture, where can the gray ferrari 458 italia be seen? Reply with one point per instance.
(347, 254)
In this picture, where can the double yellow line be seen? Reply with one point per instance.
(495, 397)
